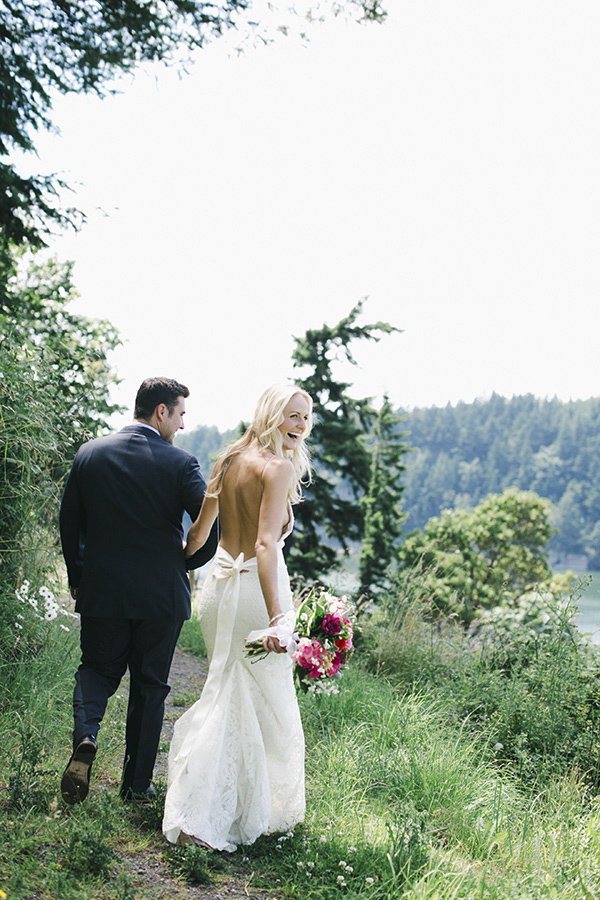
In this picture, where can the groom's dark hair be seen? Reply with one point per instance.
(154, 391)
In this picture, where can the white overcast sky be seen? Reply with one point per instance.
(445, 164)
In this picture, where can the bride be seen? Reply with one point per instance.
(236, 761)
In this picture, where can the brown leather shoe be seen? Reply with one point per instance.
(75, 782)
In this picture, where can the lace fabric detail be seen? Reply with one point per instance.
(236, 762)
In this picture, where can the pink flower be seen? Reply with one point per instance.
(337, 661)
(331, 624)
(308, 655)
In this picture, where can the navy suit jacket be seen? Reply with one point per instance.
(121, 526)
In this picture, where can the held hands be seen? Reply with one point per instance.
(187, 552)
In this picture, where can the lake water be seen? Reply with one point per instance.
(588, 620)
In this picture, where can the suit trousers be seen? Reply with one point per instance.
(108, 648)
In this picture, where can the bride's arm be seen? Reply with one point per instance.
(277, 478)
(200, 530)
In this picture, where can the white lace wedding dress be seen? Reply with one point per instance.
(236, 762)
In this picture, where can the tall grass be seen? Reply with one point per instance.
(28, 494)
(524, 680)
(402, 804)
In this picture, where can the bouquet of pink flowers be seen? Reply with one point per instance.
(324, 644)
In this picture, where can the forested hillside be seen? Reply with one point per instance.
(205, 442)
(467, 451)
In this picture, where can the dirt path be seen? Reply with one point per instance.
(187, 676)
(150, 876)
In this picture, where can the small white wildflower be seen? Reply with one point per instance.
(370, 881)
(342, 863)
(323, 839)
(341, 879)
(19, 626)
(310, 864)
(352, 849)
(300, 864)
(349, 870)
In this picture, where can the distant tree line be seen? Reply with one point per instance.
(465, 452)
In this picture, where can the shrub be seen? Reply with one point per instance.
(523, 679)
(28, 495)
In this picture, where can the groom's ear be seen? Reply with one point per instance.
(162, 411)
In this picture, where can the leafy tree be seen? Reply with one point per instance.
(568, 519)
(482, 557)
(331, 516)
(54, 394)
(64, 46)
(70, 350)
(380, 505)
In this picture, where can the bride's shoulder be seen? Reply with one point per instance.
(278, 468)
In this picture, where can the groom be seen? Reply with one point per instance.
(121, 532)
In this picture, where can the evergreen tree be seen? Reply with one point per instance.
(547, 446)
(330, 516)
(380, 506)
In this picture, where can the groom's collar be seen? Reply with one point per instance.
(137, 426)
(145, 425)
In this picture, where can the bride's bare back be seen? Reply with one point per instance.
(243, 501)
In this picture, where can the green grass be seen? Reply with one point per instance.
(404, 799)
(415, 809)
(191, 638)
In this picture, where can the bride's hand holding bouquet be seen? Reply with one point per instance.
(318, 637)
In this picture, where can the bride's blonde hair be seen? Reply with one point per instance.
(265, 429)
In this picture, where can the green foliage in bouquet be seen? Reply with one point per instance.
(325, 630)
